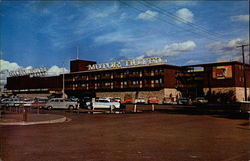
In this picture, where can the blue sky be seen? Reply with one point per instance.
(45, 33)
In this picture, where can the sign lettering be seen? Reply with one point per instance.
(127, 63)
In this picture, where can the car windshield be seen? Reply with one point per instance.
(102, 100)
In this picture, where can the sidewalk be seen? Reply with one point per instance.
(32, 119)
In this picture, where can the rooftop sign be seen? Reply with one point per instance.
(32, 72)
(127, 63)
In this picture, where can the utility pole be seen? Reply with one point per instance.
(244, 69)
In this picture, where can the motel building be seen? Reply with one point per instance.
(138, 78)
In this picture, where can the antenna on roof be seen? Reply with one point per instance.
(77, 52)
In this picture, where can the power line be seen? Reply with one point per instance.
(140, 10)
(177, 18)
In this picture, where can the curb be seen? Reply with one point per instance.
(35, 123)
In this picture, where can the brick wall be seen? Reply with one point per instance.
(238, 91)
(145, 94)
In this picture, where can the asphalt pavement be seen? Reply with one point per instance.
(167, 134)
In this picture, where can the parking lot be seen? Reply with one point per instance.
(171, 133)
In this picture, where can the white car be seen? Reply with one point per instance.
(27, 102)
(140, 100)
(60, 103)
(105, 103)
(11, 102)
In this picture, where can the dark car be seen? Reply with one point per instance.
(85, 102)
(183, 101)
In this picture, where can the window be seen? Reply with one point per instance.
(136, 82)
(107, 74)
(135, 72)
(125, 83)
(126, 72)
(107, 84)
(84, 85)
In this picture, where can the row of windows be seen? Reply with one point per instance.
(121, 74)
(124, 83)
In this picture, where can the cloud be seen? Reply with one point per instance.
(174, 49)
(185, 14)
(123, 16)
(114, 37)
(242, 18)
(229, 58)
(6, 65)
(228, 51)
(229, 47)
(107, 12)
(148, 15)
(193, 62)
(55, 70)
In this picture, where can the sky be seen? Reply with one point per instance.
(49, 33)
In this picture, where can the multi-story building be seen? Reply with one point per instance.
(138, 81)
(215, 80)
(140, 78)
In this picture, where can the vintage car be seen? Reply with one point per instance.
(39, 102)
(183, 101)
(153, 100)
(61, 103)
(140, 100)
(200, 101)
(105, 103)
(27, 102)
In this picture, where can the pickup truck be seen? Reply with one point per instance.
(105, 103)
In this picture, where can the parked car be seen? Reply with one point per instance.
(39, 102)
(5, 102)
(27, 102)
(140, 100)
(13, 102)
(245, 106)
(128, 100)
(105, 103)
(85, 102)
(153, 100)
(200, 101)
(183, 101)
(61, 103)
(116, 99)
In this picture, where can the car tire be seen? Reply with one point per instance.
(71, 107)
